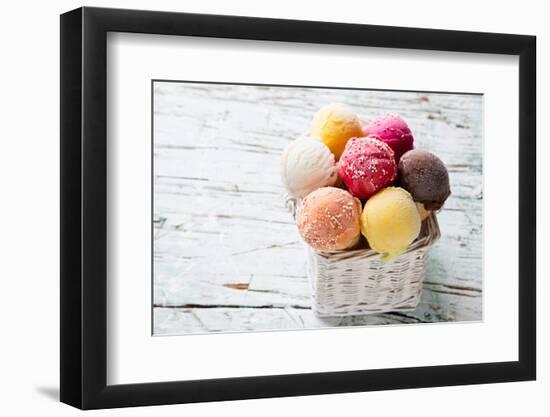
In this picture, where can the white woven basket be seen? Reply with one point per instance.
(359, 281)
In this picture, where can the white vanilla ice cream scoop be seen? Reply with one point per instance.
(307, 164)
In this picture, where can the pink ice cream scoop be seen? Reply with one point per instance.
(392, 130)
(366, 166)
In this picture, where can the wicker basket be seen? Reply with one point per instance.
(359, 281)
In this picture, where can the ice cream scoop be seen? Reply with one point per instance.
(390, 221)
(335, 124)
(392, 130)
(425, 176)
(422, 211)
(307, 164)
(366, 166)
(328, 219)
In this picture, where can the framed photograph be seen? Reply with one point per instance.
(260, 208)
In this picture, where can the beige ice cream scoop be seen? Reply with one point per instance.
(307, 164)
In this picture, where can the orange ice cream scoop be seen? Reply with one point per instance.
(329, 219)
(335, 124)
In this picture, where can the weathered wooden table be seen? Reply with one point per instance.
(227, 255)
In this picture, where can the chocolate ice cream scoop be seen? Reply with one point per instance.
(425, 176)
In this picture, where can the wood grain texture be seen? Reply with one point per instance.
(227, 255)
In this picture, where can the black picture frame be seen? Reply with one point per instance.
(84, 207)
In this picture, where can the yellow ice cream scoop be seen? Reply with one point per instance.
(424, 214)
(390, 221)
(335, 124)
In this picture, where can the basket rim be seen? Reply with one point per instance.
(431, 235)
